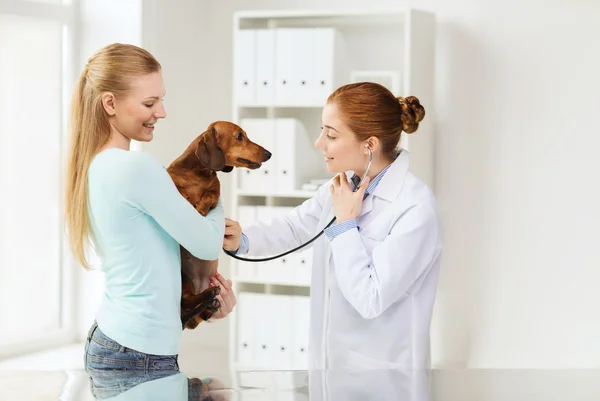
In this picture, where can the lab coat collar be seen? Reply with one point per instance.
(390, 185)
(367, 205)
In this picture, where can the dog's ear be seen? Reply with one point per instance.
(208, 151)
(227, 169)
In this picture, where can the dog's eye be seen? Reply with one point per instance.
(240, 137)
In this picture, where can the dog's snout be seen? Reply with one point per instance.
(267, 155)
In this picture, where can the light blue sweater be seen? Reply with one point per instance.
(138, 219)
(171, 388)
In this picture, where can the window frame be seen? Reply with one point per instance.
(68, 14)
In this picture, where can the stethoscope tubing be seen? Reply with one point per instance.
(313, 239)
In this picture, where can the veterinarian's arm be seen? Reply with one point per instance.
(373, 282)
(243, 249)
(149, 187)
(283, 233)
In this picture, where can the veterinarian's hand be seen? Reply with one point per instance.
(233, 235)
(346, 204)
(226, 297)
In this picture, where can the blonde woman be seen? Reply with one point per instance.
(126, 205)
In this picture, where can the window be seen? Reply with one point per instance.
(34, 59)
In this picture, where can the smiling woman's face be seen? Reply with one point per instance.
(135, 114)
(340, 147)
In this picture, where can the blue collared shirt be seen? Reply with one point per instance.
(335, 229)
(344, 226)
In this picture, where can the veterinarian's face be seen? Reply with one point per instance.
(340, 147)
(138, 111)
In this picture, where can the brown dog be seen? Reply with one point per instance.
(223, 146)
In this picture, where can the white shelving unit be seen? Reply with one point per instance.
(286, 63)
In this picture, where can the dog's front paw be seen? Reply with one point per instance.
(204, 305)
(209, 295)
(211, 302)
(211, 309)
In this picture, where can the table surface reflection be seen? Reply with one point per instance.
(377, 385)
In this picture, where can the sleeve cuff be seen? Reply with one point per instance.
(340, 228)
(243, 249)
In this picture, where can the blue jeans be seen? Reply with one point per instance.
(114, 368)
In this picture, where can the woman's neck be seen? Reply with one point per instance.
(377, 166)
(117, 140)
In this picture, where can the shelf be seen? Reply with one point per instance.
(294, 194)
(352, 19)
(249, 369)
(321, 13)
(267, 371)
(373, 41)
(282, 377)
(243, 280)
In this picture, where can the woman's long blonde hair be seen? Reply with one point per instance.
(111, 69)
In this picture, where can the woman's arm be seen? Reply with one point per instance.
(371, 283)
(284, 233)
(149, 188)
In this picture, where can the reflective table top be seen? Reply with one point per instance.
(377, 385)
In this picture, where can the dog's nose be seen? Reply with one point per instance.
(267, 155)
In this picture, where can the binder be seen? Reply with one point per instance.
(303, 266)
(264, 335)
(246, 217)
(301, 315)
(272, 270)
(265, 67)
(285, 66)
(245, 332)
(282, 326)
(298, 161)
(260, 131)
(325, 45)
(245, 67)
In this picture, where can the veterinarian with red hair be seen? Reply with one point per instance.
(375, 271)
(127, 206)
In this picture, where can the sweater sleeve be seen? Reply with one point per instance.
(148, 187)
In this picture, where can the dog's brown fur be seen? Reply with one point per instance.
(223, 146)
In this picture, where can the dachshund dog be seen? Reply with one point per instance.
(223, 146)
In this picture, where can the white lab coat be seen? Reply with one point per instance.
(367, 384)
(372, 290)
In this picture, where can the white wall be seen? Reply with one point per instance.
(515, 164)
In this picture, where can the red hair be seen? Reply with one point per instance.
(370, 109)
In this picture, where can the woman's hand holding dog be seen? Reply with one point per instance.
(231, 242)
(226, 297)
(233, 235)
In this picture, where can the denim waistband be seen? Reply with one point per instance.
(110, 343)
(91, 330)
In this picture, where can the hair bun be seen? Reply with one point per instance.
(412, 113)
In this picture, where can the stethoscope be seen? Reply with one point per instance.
(318, 235)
